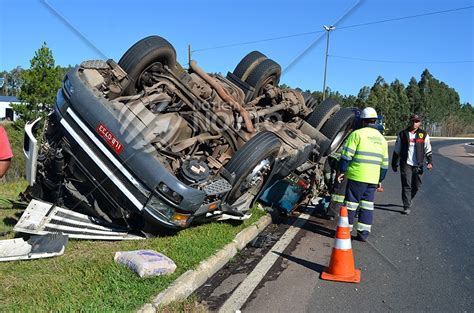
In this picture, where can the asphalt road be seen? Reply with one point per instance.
(420, 262)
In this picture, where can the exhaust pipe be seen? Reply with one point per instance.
(224, 95)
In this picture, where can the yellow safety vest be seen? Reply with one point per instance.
(367, 151)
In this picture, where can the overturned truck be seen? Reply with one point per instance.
(145, 143)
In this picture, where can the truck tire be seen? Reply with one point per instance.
(248, 63)
(141, 56)
(265, 73)
(253, 161)
(338, 128)
(322, 113)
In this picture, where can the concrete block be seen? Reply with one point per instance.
(218, 260)
(147, 308)
(245, 236)
(263, 222)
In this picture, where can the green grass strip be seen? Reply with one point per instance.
(86, 278)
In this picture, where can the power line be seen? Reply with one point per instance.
(400, 62)
(260, 40)
(406, 17)
(338, 28)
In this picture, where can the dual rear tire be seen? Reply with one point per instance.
(258, 71)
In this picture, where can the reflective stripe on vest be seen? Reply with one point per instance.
(367, 151)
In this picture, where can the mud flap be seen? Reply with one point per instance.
(42, 218)
(36, 247)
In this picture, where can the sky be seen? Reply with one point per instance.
(81, 30)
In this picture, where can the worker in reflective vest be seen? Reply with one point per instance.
(364, 162)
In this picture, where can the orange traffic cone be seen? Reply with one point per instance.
(341, 267)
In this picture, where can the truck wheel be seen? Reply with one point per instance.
(248, 63)
(266, 73)
(140, 59)
(252, 164)
(322, 113)
(338, 128)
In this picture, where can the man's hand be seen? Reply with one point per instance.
(394, 168)
(429, 166)
(340, 178)
(379, 187)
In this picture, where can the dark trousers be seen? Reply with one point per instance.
(411, 182)
(360, 196)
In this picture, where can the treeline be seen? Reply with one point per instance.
(438, 104)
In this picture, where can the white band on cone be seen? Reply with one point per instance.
(343, 221)
(342, 244)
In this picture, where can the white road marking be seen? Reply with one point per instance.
(245, 289)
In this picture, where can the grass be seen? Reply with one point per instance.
(8, 214)
(86, 278)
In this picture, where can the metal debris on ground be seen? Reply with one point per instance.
(42, 218)
(36, 247)
(263, 240)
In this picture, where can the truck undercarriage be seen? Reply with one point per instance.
(146, 143)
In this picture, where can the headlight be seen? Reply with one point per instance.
(169, 193)
(156, 205)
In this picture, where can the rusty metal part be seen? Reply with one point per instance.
(234, 91)
(224, 95)
(291, 136)
(300, 99)
(275, 108)
(188, 142)
(190, 93)
(129, 98)
(213, 163)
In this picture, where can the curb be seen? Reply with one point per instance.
(191, 280)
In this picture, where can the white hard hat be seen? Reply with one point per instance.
(368, 113)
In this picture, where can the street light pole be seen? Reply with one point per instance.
(328, 30)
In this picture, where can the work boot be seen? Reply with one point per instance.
(360, 237)
(406, 211)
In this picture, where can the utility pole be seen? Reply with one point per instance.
(189, 55)
(328, 30)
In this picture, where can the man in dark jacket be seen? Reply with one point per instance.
(412, 149)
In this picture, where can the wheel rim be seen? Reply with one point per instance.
(269, 81)
(336, 143)
(254, 180)
(146, 76)
(337, 140)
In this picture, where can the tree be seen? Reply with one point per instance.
(11, 82)
(400, 110)
(362, 97)
(414, 96)
(40, 84)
